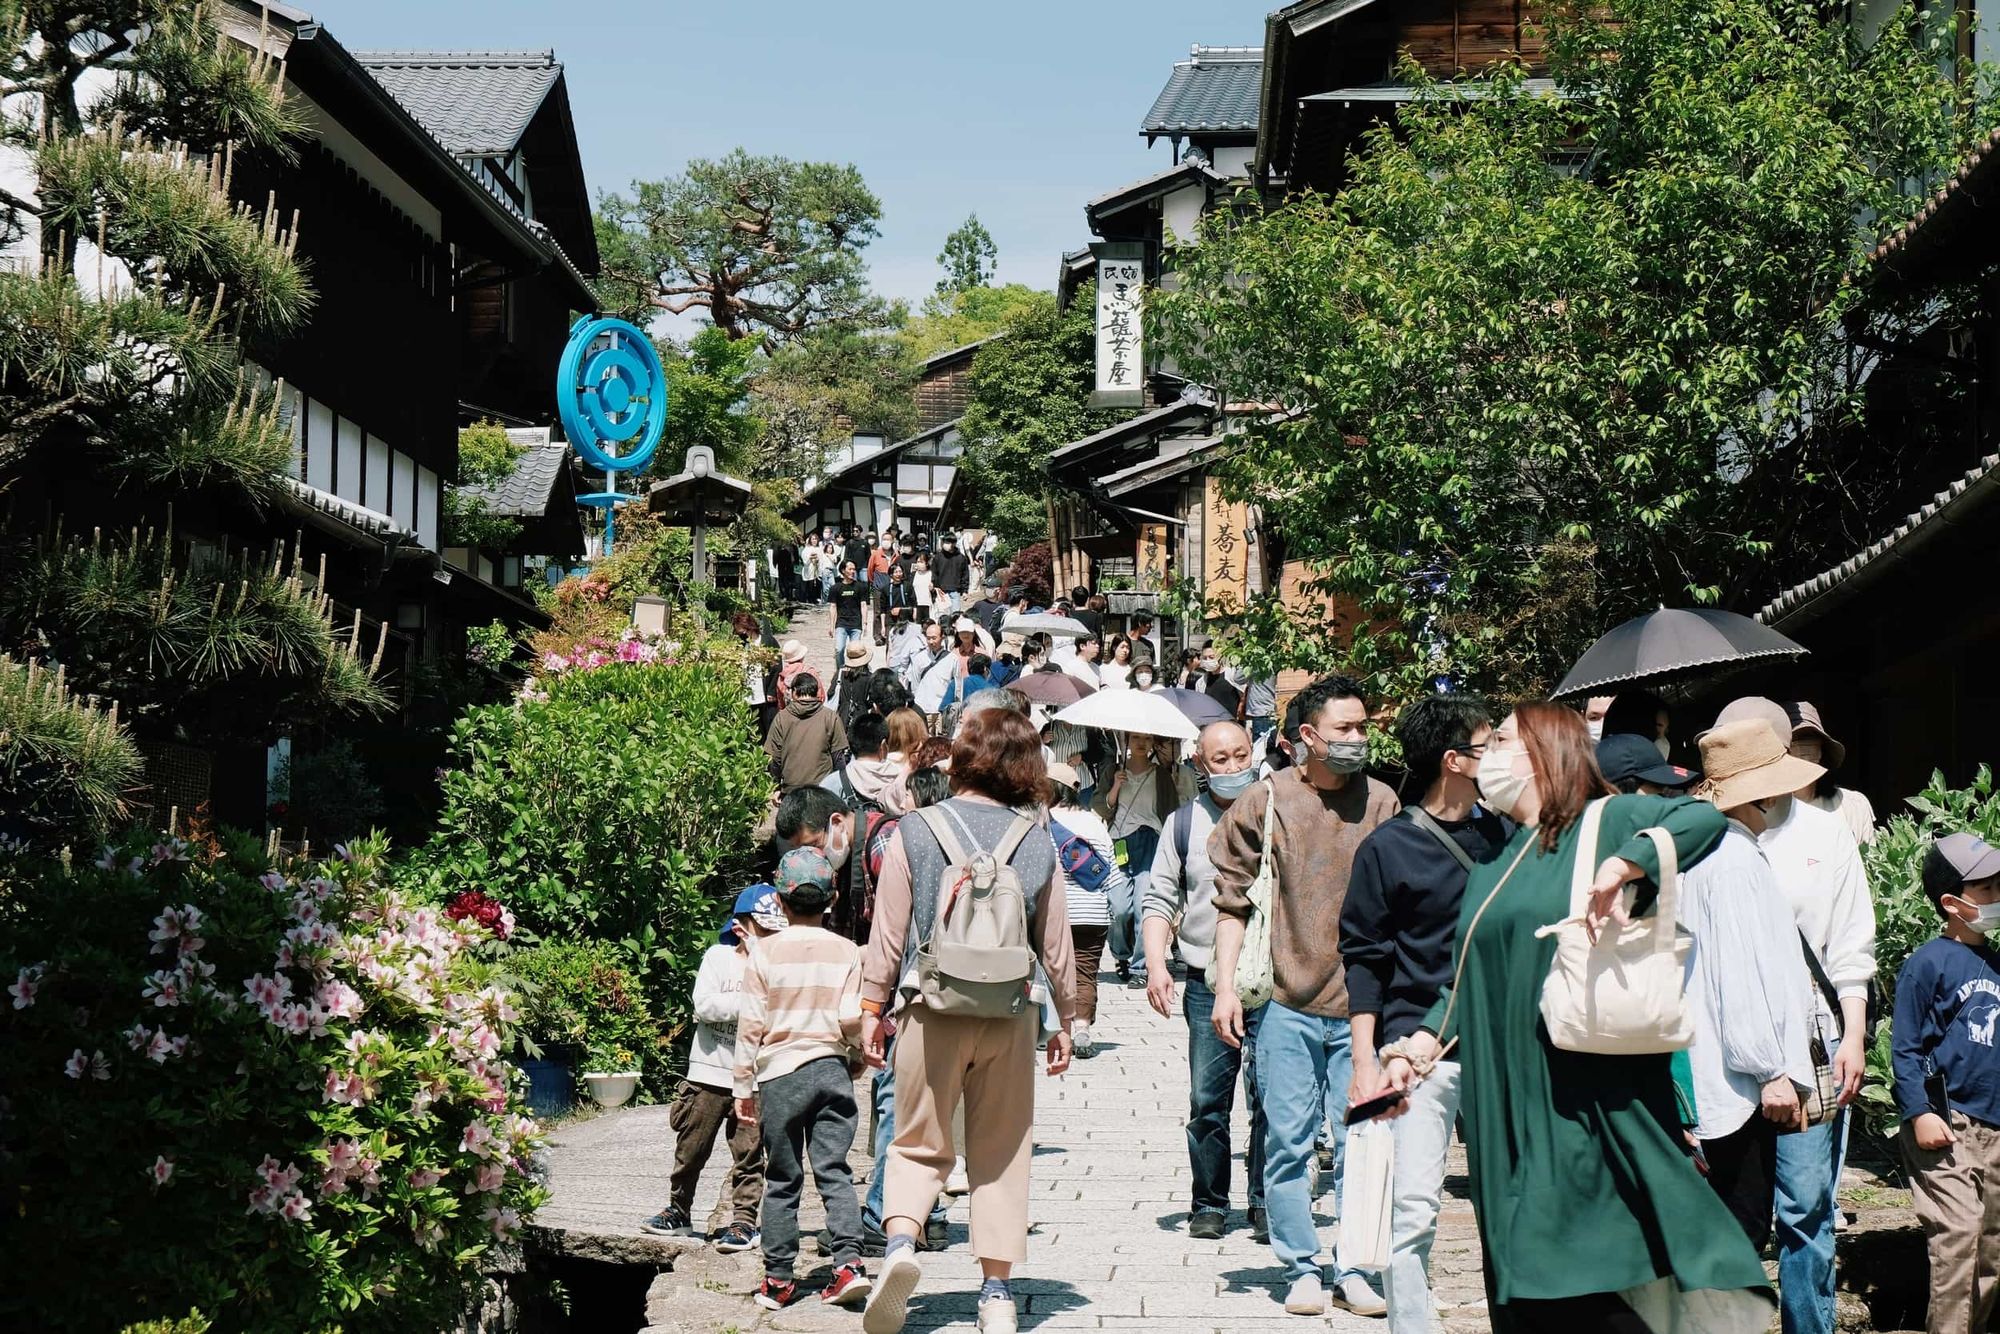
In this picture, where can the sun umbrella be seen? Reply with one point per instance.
(1044, 622)
(1052, 688)
(1673, 644)
(1198, 708)
(1143, 711)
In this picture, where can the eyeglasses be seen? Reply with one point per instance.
(1475, 751)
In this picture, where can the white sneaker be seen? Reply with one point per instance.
(1355, 1295)
(889, 1303)
(997, 1316)
(1085, 1044)
(957, 1183)
(1305, 1296)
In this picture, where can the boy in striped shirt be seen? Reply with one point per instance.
(798, 1042)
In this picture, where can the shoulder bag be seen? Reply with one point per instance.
(1623, 994)
(1822, 1100)
(1254, 980)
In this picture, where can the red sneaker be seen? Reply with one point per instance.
(850, 1287)
(775, 1294)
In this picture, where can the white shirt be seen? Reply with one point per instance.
(1085, 672)
(936, 681)
(1852, 807)
(718, 1000)
(1819, 870)
(922, 579)
(1747, 984)
(1114, 675)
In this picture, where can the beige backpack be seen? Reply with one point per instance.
(1625, 995)
(976, 960)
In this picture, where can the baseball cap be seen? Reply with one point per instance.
(1065, 774)
(1958, 860)
(805, 879)
(1624, 758)
(759, 903)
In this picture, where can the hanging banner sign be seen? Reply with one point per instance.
(1225, 570)
(1150, 560)
(1121, 351)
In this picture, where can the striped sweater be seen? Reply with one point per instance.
(801, 1001)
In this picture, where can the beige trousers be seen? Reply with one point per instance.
(989, 1065)
(1956, 1192)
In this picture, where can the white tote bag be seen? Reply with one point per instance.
(1624, 995)
(1254, 979)
(1367, 1189)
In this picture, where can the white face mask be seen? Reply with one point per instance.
(836, 852)
(1499, 786)
(1596, 729)
(1664, 746)
(1987, 917)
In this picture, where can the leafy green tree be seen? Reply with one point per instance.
(127, 357)
(959, 318)
(969, 257)
(1029, 392)
(1613, 341)
(762, 244)
(486, 457)
(708, 391)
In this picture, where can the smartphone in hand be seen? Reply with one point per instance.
(1374, 1107)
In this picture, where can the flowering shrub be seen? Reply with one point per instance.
(618, 805)
(273, 1094)
(579, 999)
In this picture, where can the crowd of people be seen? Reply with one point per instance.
(939, 830)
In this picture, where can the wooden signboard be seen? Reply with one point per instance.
(1225, 567)
(1150, 572)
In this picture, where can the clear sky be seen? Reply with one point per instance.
(1018, 111)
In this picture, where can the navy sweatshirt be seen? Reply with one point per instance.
(1947, 1007)
(1400, 920)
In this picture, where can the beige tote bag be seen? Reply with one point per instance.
(1624, 995)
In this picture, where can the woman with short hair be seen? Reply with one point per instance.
(999, 784)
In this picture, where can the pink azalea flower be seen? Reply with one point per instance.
(296, 1207)
(339, 1000)
(477, 1140)
(505, 1221)
(273, 881)
(489, 1179)
(162, 1170)
(425, 1177)
(162, 988)
(99, 1067)
(135, 1037)
(25, 985)
(107, 860)
(159, 1047)
(77, 1064)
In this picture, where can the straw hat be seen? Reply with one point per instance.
(1753, 706)
(1805, 719)
(1747, 761)
(792, 651)
(858, 655)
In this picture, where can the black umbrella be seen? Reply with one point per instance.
(1673, 644)
(1196, 707)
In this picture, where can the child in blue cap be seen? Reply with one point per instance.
(706, 1103)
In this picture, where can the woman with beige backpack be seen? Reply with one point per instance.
(1591, 1214)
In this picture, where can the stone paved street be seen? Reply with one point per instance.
(1108, 1249)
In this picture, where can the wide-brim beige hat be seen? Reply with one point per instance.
(792, 651)
(857, 655)
(1805, 719)
(1746, 761)
(1753, 707)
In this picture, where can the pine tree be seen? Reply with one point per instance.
(122, 357)
(969, 258)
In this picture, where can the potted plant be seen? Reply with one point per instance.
(584, 1011)
(614, 1077)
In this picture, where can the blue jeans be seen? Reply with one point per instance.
(842, 637)
(1808, 1174)
(1125, 941)
(1303, 1063)
(1212, 1069)
(884, 1091)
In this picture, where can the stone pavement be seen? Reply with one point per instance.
(1108, 1248)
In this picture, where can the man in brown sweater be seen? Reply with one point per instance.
(806, 739)
(1324, 806)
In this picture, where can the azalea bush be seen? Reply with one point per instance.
(1904, 916)
(615, 801)
(273, 1093)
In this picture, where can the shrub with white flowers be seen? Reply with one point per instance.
(276, 1094)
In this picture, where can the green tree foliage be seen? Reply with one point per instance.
(762, 244)
(582, 1003)
(969, 258)
(708, 391)
(957, 319)
(486, 457)
(67, 768)
(1616, 323)
(1029, 392)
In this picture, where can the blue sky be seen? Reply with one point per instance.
(1018, 111)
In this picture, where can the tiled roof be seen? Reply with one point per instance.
(1950, 505)
(1987, 153)
(302, 499)
(477, 103)
(524, 493)
(1215, 90)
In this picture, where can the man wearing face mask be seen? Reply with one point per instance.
(1594, 710)
(1324, 807)
(1182, 888)
(1143, 677)
(1818, 868)
(1397, 930)
(1211, 681)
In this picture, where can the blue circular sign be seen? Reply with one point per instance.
(611, 392)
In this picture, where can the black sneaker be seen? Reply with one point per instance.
(1260, 1227)
(1206, 1226)
(669, 1222)
(937, 1234)
(1135, 983)
(737, 1237)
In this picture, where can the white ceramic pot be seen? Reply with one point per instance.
(611, 1089)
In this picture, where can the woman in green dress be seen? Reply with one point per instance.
(1591, 1214)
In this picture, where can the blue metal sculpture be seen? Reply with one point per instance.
(611, 393)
